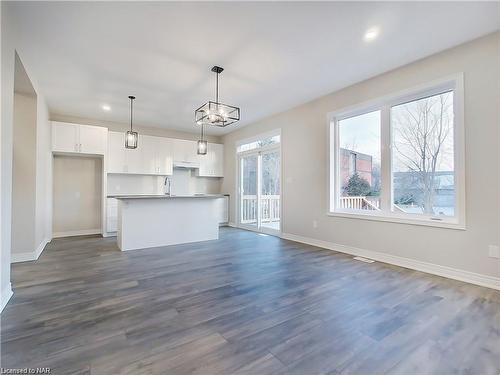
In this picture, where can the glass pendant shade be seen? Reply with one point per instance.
(202, 147)
(131, 139)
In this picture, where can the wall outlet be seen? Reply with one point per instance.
(315, 223)
(494, 251)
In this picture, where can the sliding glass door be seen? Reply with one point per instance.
(270, 167)
(260, 188)
(248, 190)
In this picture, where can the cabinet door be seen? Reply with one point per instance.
(164, 149)
(218, 159)
(133, 159)
(148, 150)
(116, 153)
(206, 162)
(93, 139)
(180, 150)
(185, 151)
(65, 137)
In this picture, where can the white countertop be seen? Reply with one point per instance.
(158, 196)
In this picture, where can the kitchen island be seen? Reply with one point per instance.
(159, 220)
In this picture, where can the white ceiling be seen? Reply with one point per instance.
(276, 55)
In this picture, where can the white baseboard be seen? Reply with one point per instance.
(231, 224)
(30, 255)
(76, 233)
(435, 269)
(5, 297)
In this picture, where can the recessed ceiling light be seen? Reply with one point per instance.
(371, 34)
(106, 107)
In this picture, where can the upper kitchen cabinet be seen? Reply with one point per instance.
(212, 164)
(75, 138)
(165, 152)
(153, 155)
(116, 153)
(157, 155)
(185, 151)
(218, 159)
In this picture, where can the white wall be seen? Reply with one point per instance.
(77, 194)
(14, 40)
(24, 174)
(7, 100)
(304, 150)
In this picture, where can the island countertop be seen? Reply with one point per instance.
(158, 196)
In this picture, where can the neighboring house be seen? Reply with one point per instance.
(355, 162)
(407, 187)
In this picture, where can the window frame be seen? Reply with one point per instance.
(384, 104)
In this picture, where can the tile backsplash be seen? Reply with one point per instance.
(184, 182)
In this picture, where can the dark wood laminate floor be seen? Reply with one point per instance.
(245, 304)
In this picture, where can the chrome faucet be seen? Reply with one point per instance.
(167, 186)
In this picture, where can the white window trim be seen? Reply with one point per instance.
(455, 83)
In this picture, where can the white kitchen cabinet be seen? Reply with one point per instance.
(133, 160)
(218, 159)
(75, 138)
(116, 153)
(212, 164)
(149, 154)
(64, 137)
(153, 155)
(185, 151)
(93, 139)
(164, 155)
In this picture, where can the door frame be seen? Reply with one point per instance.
(258, 152)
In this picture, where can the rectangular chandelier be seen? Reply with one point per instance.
(217, 114)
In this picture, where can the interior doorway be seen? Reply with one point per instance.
(77, 189)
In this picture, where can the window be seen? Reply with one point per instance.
(259, 143)
(401, 158)
(359, 161)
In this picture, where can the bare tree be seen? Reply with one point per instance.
(422, 132)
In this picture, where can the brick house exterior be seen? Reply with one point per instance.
(352, 162)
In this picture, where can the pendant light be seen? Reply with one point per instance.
(202, 143)
(217, 113)
(131, 137)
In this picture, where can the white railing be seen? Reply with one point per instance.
(269, 207)
(364, 203)
(359, 203)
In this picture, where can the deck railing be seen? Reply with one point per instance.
(269, 206)
(364, 203)
(359, 203)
